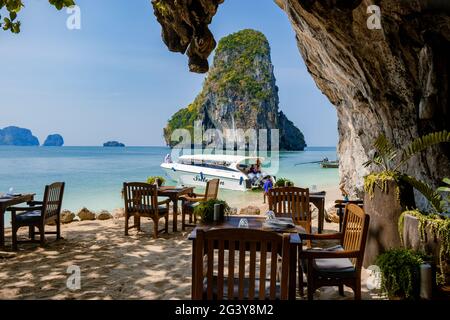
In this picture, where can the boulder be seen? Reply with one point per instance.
(118, 213)
(250, 210)
(67, 216)
(85, 214)
(104, 215)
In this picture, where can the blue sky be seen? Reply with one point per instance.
(115, 80)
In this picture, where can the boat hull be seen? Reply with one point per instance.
(239, 182)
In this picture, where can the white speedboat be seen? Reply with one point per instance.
(198, 169)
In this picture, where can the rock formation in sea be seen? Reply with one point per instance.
(15, 136)
(54, 140)
(392, 80)
(113, 144)
(239, 93)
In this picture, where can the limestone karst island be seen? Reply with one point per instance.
(196, 151)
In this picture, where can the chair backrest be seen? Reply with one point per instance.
(291, 201)
(355, 228)
(140, 198)
(212, 189)
(52, 202)
(219, 276)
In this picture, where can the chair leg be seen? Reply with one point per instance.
(166, 225)
(31, 232)
(357, 289)
(126, 224)
(183, 218)
(311, 288)
(137, 222)
(155, 228)
(300, 278)
(58, 227)
(341, 290)
(42, 235)
(14, 238)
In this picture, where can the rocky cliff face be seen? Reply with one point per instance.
(15, 136)
(54, 140)
(393, 81)
(239, 93)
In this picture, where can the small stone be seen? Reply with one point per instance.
(118, 213)
(85, 214)
(67, 216)
(250, 210)
(104, 215)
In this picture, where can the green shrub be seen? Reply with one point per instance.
(205, 209)
(399, 272)
(151, 180)
(281, 182)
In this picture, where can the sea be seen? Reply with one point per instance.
(94, 175)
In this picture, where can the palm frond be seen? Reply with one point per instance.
(432, 196)
(385, 152)
(423, 143)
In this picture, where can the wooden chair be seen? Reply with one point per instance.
(38, 215)
(340, 208)
(340, 265)
(293, 202)
(190, 201)
(141, 200)
(217, 276)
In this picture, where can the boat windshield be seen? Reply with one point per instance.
(220, 165)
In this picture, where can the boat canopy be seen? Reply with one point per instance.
(236, 159)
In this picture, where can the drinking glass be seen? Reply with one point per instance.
(314, 188)
(270, 215)
(243, 223)
(11, 191)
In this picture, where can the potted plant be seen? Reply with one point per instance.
(430, 230)
(205, 210)
(389, 191)
(400, 273)
(283, 182)
(156, 179)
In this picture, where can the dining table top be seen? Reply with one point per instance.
(254, 222)
(174, 190)
(7, 201)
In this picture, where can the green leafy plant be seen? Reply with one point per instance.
(439, 226)
(389, 160)
(161, 180)
(399, 272)
(13, 7)
(445, 189)
(205, 210)
(281, 182)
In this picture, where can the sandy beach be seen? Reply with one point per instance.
(112, 265)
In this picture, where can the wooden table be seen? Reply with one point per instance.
(318, 200)
(174, 194)
(6, 203)
(256, 222)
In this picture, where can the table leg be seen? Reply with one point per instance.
(2, 228)
(321, 216)
(193, 269)
(293, 272)
(175, 213)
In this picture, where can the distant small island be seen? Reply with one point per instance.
(113, 144)
(54, 140)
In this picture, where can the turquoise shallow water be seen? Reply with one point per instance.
(94, 175)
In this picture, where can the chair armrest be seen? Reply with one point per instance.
(321, 236)
(194, 199)
(322, 254)
(15, 209)
(167, 201)
(35, 203)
